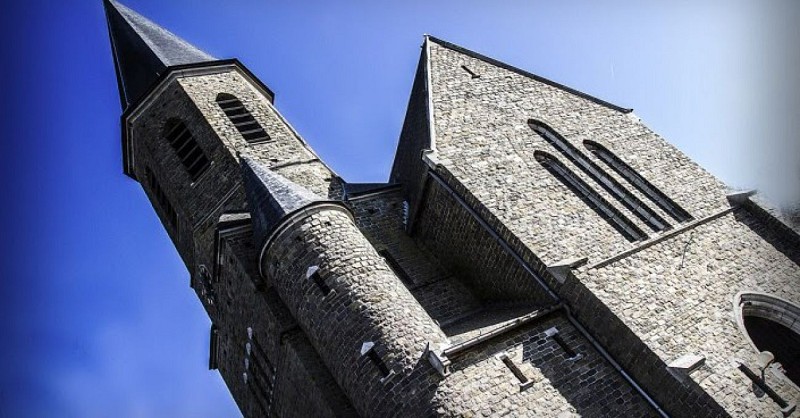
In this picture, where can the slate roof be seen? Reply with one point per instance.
(143, 50)
(271, 197)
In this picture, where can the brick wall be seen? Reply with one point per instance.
(366, 302)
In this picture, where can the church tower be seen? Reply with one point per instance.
(187, 118)
(536, 252)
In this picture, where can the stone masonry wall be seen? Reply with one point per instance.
(690, 282)
(191, 200)
(366, 302)
(279, 352)
(483, 138)
(442, 294)
(466, 248)
(305, 388)
(482, 385)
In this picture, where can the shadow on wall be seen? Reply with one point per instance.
(779, 237)
(563, 359)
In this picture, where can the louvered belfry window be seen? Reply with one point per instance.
(244, 121)
(192, 157)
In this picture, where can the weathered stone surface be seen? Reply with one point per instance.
(477, 283)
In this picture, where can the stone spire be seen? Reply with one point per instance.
(272, 197)
(143, 51)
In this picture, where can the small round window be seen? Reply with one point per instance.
(772, 324)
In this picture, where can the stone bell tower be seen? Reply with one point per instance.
(187, 117)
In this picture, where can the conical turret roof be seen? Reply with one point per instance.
(271, 197)
(143, 50)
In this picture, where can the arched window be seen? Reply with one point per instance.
(247, 125)
(613, 187)
(644, 186)
(771, 324)
(617, 220)
(192, 157)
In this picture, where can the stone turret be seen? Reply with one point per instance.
(367, 327)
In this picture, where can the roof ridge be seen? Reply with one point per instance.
(497, 63)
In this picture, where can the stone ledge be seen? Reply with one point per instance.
(461, 348)
(668, 235)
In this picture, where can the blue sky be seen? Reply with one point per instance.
(98, 316)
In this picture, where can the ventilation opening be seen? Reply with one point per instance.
(313, 274)
(189, 152)
(556, 336)
(779, 340)
(242, 119)
(368, 351)
(773, 325)
(524, 382)
(405, 214)
(470, 72)
(259, 373)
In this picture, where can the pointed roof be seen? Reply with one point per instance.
(272, 197)
(143, 50)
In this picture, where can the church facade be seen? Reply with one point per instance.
(536, 251)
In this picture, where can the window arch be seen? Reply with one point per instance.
(771, 324)
(192, 157)
(613, 187)
(628, 173)
(242, 119)
(617, 220)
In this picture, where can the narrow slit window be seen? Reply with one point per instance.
(242, 119)
(161, 199)
(556, 336)
(313, 275)
(261, 373)
(593, 199)
(192, 157)
(213, 351)
(613, 187)
(395, 266)
(631, 176)
(368, 351)
(470, 72)
(524, 381)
